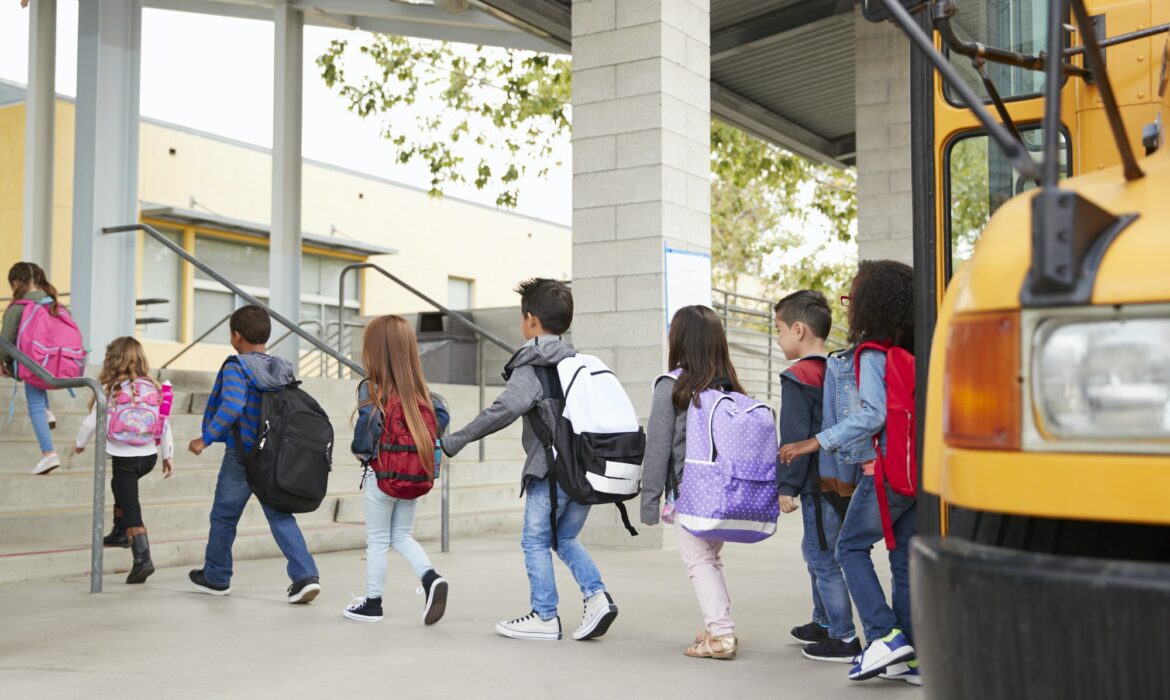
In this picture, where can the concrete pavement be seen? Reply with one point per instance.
(162, 640)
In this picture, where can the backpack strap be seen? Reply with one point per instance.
(879, 471)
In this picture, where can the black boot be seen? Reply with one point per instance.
(117, 536)
(143, 566)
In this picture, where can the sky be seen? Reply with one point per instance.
(214, 74)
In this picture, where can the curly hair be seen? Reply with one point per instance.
(881, 306)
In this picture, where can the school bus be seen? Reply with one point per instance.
(1042, 259)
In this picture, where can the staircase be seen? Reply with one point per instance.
(45, 520)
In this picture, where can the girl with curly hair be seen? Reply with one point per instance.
(881, 308)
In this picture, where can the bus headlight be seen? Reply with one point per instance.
(1102, 379)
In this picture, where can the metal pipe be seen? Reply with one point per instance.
(178, 250)
(481, 380)
(195, 342)
(99, 452)
(302, 324)
(1050, 168)
(445, 516)
(453, 314)
(1096, 59)
(1120, 39)
(998, 55)
(1012, 149)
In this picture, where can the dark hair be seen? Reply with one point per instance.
(807, 307)
(550, 301)
(698, 346)
(881, 306)
(252, 323)
(24, 275)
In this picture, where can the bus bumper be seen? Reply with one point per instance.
(998, 623)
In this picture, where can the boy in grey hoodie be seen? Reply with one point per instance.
(546, 311)
(235, 403)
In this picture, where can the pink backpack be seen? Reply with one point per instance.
(138, 413)
(52, 340)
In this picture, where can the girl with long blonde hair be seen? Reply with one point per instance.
(395, 439)
(137, 430)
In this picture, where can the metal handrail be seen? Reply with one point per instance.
(99, 451)
(302, 324)
(478, 329)
(198, 340)
(279, 318)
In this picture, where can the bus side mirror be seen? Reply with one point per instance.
(875, 10)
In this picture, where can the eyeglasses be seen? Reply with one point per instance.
(845, 298)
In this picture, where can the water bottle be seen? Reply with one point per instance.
(668, 513)
(168, 397)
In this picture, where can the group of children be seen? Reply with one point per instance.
(829, 420)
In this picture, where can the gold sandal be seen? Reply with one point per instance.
(702, 636)
(712, 647)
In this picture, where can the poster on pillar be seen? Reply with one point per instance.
(688, 279)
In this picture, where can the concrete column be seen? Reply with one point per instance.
(284, 254)
(39, 129)
(105, 168)
(884, 202)
(641, 183)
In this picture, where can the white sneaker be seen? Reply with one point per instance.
(47, 464)
(52, 419)
(600, 612)
(881, 654)
(530, 627)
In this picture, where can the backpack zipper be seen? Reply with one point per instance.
(909, 446)
(264, 435)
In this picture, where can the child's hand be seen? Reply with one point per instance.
(796, 449)
(168, 468)
(78, 450)
(788, 504)
(197, 446)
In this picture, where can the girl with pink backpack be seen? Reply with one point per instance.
(41, 328)
(137, 430)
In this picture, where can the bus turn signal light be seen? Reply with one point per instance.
(981, 390)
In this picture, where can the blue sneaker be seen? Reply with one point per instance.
(880, 654)
(904, 672)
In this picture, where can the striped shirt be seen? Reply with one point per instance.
(234, 399)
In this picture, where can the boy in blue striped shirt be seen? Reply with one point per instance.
(235, 400)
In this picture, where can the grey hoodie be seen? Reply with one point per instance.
(267, 372)
(522, 392)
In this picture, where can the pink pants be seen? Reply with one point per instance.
(705, 567)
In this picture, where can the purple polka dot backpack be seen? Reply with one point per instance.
(728, 490)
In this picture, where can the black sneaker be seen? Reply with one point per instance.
(202, 585)
(364, 610)
(833, 650)
(304, 591)
(434, 587)
(810, 633)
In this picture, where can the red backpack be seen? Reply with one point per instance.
(898, 467)
(399, 469)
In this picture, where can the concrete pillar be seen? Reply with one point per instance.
(641, 183)
(284, 253)
(105, 168)
(884, 201)
(39, 129)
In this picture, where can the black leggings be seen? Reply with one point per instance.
(124, 482)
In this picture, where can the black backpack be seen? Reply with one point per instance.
(288, 467)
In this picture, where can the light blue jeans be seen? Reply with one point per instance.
(831, 608)
(389, 523)
(536, 541)
(38, 403)
(231, 495)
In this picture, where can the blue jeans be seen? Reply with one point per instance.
(860, 531)
(38, 403)
(831, 608)
(389, 523)
(536, 541)
(231, 495)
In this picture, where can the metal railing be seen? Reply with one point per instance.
(99, 452)
(748, 322)
(202, 336)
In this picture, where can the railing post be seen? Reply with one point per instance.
(771, 342)
(481, 379)
(97, 547)
(445, 525)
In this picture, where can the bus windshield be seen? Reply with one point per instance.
(1014, 25)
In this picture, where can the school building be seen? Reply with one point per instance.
(211, 195)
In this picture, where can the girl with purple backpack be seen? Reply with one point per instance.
(698, 360)
(29, 286)
(137, 430)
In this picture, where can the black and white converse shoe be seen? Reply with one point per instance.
(434, 587)
(530, 627)
(364, 609)
(600, 612)
(304, 591)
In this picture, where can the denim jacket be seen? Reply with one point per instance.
(852, 417)
(367, 431)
